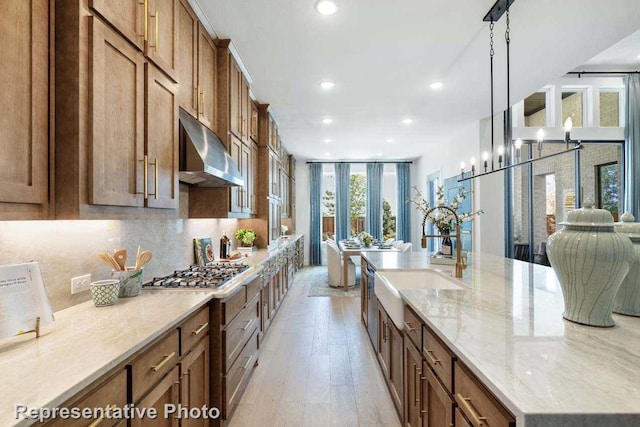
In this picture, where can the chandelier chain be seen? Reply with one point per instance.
(491, 52)
(507, 34)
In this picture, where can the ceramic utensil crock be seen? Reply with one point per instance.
(590, 261)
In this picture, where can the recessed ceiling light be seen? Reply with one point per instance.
(380, 154)
(326, 85)
(327, 153)
(326, 7)
(436, 85)
(326, 141)
(327, 120)
(407, 121)
(390, 140)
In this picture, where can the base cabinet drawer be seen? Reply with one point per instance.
(236, 333)
(413, 326)
(111, 393)
(439, 358)
(238, 376)
(153, 364)
(476, 403)
(193, 330)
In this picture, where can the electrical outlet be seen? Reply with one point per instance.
(80, 283)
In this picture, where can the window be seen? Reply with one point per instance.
(328, 202)
(573, 106)
(535, 110)
(357, 197)
(389, 201)
(608, 176)
(610, 107)
(553, 182)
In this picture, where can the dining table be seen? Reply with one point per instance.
(350, 248)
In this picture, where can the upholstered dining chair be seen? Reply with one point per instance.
(334, 267)
(405, 247)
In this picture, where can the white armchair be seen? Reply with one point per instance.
(334, 267)
(405, 247)
(397, 244)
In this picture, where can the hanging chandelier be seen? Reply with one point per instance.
(501, 7)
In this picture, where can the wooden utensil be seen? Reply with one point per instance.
(121, 258)
(143, 259)
(108, 259)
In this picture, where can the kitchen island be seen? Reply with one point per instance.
(86, 345)
(505, 325)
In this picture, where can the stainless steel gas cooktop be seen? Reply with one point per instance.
(208, 276)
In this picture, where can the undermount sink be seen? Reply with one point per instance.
(387, 284)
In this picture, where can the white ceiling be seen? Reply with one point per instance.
(622, 56)
(382, 56)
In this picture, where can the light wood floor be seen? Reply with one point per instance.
(317, 368)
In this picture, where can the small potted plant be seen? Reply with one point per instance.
(246, 238)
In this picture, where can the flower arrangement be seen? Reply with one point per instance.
(365, 238)
(246, 236)
(283, 229)
(443, 219)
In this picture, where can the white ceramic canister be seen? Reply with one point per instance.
(590, 260)
(628, 298)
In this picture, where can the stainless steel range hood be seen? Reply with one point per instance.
(203, 159)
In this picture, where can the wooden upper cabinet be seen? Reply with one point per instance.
(161, 139)
(187, 65)
(162, 35)
(127, 16)
(253, 133)
(245, 109)
(245, 170)
(235, 102)
(207, 87)
(253, 178)
(116, 119)
(24, 90)
(235, 150)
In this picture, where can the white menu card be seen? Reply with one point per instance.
(23, 298)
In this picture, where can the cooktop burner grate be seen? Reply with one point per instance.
(213, 275)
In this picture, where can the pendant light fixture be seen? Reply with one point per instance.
(504, 151)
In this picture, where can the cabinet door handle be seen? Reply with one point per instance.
(99, 420)
(416, 375)
(201, 102)
(246, 365)
(409, 327)
(201, 328)
(146, 19)
(145, 177)
(247, 325)
(156, 181)
(156, 17)
(422, 410)
(431, 355)
(163, 362)
(470, 410)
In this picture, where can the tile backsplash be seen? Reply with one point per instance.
(65, 249)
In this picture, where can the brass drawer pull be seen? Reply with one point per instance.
(164, 361)
(465, 402)
(422, 411)
(99, 420)
(246, 365)
(416, 376)
(247, 325)
(201, 328)
(431, 355)
(409, 327)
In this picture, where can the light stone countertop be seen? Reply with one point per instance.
(506, 325)
(85, 342)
